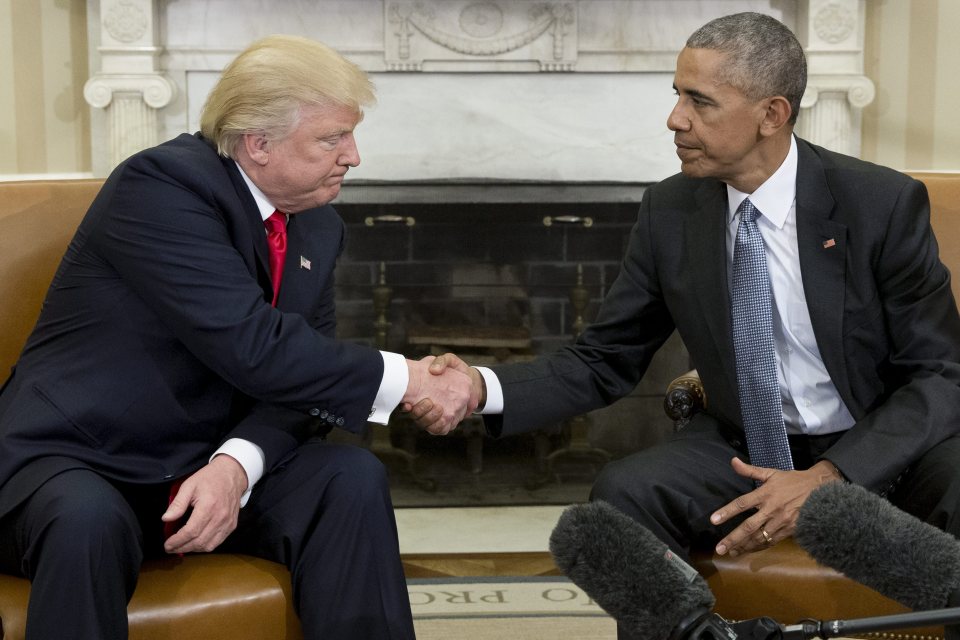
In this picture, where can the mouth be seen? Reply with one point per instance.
(684, 150)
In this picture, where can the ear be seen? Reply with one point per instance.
(776, 115)
(257, 147)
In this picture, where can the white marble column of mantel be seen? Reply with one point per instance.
(129, 85)
(832, 33)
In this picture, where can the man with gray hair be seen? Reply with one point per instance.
(186, 353)
(809, 292)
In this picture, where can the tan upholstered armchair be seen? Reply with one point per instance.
(784, 582)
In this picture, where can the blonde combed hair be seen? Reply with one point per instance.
(264, 88)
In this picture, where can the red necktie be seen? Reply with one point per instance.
(277, 243)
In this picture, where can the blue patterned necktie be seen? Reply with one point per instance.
(751, 313)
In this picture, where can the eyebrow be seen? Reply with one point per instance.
(695, 94)
(336, 133)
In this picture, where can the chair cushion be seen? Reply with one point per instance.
(786, 584)
(196, 597)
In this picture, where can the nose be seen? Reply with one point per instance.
(677, 120)
(349, 155)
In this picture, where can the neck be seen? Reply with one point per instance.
(769, 154)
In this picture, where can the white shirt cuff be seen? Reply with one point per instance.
(494, 402)
(250, 457)
(392, 387)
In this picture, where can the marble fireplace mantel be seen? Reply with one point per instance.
(477, 92)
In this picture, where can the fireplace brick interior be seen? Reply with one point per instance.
(498, 264)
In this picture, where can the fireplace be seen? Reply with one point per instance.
(494, 282)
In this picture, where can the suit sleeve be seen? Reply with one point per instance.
(276, 429)
(169, 240)
(915, 339)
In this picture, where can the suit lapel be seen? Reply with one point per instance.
(303, 269)
(706, 235)
(822, 245)
(254, 222)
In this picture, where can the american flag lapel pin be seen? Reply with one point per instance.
(826, 244)
(304, 263)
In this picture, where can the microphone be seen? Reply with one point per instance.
(655, 595)
(864, 537)
(633, 575)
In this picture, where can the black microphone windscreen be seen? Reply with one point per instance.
(864, 537)
(630, 573)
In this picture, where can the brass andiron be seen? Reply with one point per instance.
(575, 432)
(377, 439)
(382, 295)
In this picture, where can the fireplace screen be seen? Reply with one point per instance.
(494, 283)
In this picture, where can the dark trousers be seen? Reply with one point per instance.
(674, 487)
(325, 513)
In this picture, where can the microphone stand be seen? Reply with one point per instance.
(834, 628)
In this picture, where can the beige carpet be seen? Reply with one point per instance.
(499, 608)
(546, 628)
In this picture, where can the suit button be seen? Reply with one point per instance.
(324, 414)
(340, 421)
(331, 419)
(314, 411)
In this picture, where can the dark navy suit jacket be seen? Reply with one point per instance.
(883, 315)
(157, 340)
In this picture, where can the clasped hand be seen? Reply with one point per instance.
(441, 392)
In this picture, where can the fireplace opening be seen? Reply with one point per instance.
(493, 282)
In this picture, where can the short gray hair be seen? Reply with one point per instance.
(765, 58)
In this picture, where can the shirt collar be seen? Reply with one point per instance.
(775, 196)
(266, 209)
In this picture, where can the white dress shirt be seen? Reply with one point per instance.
(811, 403)
(392, 386)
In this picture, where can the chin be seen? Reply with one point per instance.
(328, 196)
(690, 170)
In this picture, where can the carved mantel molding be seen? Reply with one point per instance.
(155, 90)
(451, 32)
(857, 90)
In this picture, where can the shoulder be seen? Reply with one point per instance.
(187, 161)
(849, 177)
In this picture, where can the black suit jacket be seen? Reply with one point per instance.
(884, 318)
(157, 340)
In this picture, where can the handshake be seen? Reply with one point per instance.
(441, 392)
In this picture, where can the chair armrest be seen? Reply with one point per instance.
(684, 397)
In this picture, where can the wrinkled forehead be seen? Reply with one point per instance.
(705, 69)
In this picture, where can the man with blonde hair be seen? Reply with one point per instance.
(185, 353)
